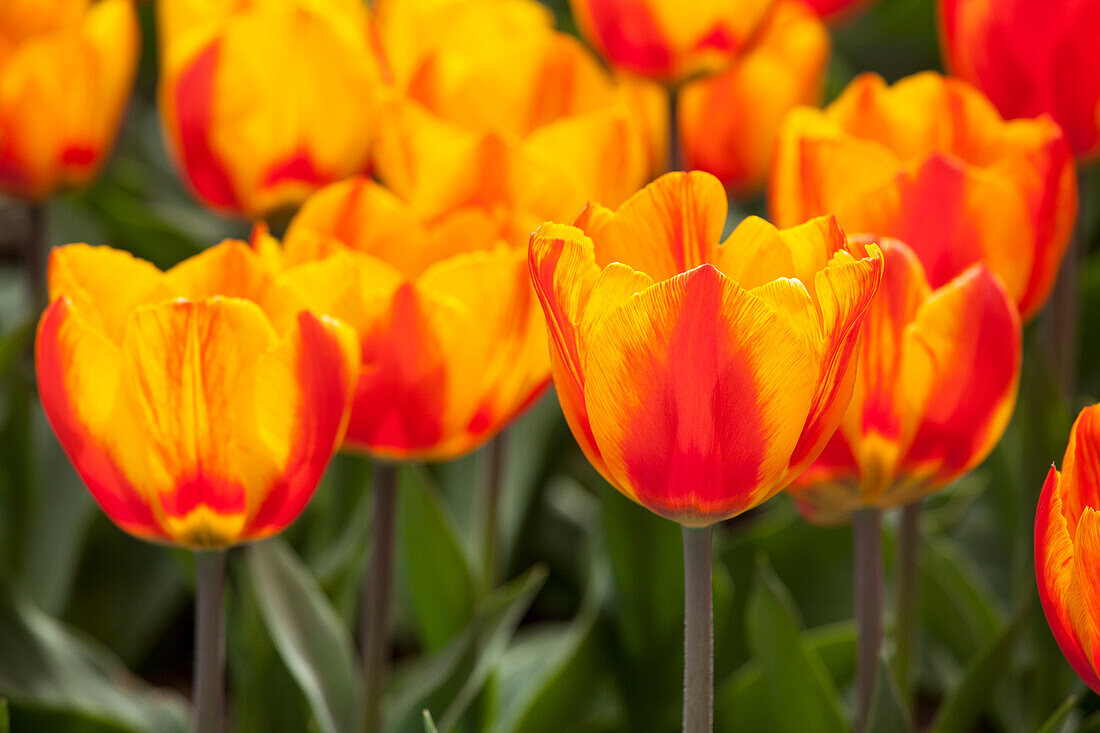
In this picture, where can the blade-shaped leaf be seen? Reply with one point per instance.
(804, 699)
(888, 710)
(429, 724)
(1054, 723)
(307, 631)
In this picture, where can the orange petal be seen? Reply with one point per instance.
(1081, 467)
(697, 392)
(1086, 558)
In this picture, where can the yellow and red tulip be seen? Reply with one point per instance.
(66, 72)
(729, 121)
(929, 161)
(264, 103)
(700, 378)
(556, 130)
(1030, 58)
(452, 343)
(200, 405)
(938, 371)
(1067, 543)
(667, 39)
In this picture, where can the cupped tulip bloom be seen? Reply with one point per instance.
(1030, 58)
(700, 378)
(451, 339)
(929, 161)
(555, 131)
(66, 71)
(670, 40)
(938, 371)
(729, 121)
(200, 405)
(1067, 548)
(265, 102)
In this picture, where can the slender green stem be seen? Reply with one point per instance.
(698, 632)
(34, 253)
(867, 535)
(908, 595)
(494, 475)
(209, 670)
(1062, 312)
(675, 146)
(378, 594)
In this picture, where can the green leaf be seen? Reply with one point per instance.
(46, 667)
(803, 698)
(434, 570)
(5, 719)
(957, 607)
(311, 639)
(1054, 722)
(429, 724)
(450, 679)
(888, 710)
(965, 704)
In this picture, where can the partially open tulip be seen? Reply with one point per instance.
(930, 162)
(1031, 57)
(729, 121)
(938, 370)
(200, 405)
(451, 340)
(1067, 548)
(700, 377)
(670, 40)
(264, 103)
(496, 110)
(66, 71)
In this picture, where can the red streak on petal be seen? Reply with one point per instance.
(298, 167)
(630, 36)
(81, 156)
(719, 39)
(217, 494)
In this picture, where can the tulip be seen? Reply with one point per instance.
(700, 378)
(1030, 60)
(264, 103)
(451, 338)
(1067, 538)
(66, 70)
(669, 40)
(555, 131)
(935, 388)
(200, 406)
(929, 161)
(729, 121)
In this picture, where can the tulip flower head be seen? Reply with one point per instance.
(200, 405)
(1030, 58)
(555, 130)
(698, 377)
(1067, 543)
(66, 71)
(729, 121)
(451, 340)
(265, 102)
(929, 161)
(934, 391)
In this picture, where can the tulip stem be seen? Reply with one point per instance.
(1061, 314)
(908, 583)
(33, 253)
(867, 536)
(209, 671)
(378, 594)
(494, 476)
(675, 148)
(698, 632)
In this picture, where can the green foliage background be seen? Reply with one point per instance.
(585, 634)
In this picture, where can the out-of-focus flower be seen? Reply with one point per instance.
(66, 71)
(930, 162)
(936, 382)
(729, 121)
(496, 109)
(1031, 57)
(1067, 548)
(265, 102)
(670, 40)
(700, 378)
(452, 342)
(200, 405)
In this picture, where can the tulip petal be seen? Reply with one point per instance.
(697, 392)
(78, 372)
(1081, 467)
(1086, 558)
